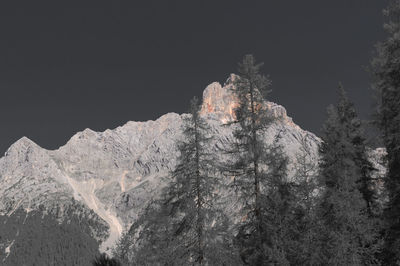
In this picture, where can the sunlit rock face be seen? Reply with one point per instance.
(107, 178)
(221, 102)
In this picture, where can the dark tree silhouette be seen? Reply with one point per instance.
(348, 235)
(386, 69)
(104, 260)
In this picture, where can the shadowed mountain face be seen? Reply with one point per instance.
(107, 178)
(36, 239)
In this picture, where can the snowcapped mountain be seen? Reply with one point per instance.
(106, 178)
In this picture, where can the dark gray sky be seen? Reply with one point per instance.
(66, 65)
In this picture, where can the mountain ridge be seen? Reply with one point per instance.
(107, 178)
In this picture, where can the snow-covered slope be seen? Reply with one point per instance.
(108, 177)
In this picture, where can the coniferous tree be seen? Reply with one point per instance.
(104, 260)
(186, 226)
(259, 170)
(386, 69)
(348, 235)
(276, 206)
(39, 239)
(288, 207)
(248, 149)
(303, 246)
(148, 241)
(200, 225)
(354, 131)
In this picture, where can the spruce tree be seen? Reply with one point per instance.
(386, 69)
(258, 169)
(348, 235)
(354, 132)
(104, 260)
(302, 250)
(149, 240)
(249, 88)
(186, 226)
(276, 206)
(201, 226)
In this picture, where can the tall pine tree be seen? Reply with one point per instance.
(303, 221)
(186, 227)
(250, 87)
(201, 227)
(386, 69)
(259, 170)
(348, 235)
(355, 133)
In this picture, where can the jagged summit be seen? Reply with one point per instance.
(220, 102)
(23, 142)
(25, 149)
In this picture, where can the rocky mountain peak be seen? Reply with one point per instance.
(220, 101)
(24, 147)
(23, 142)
